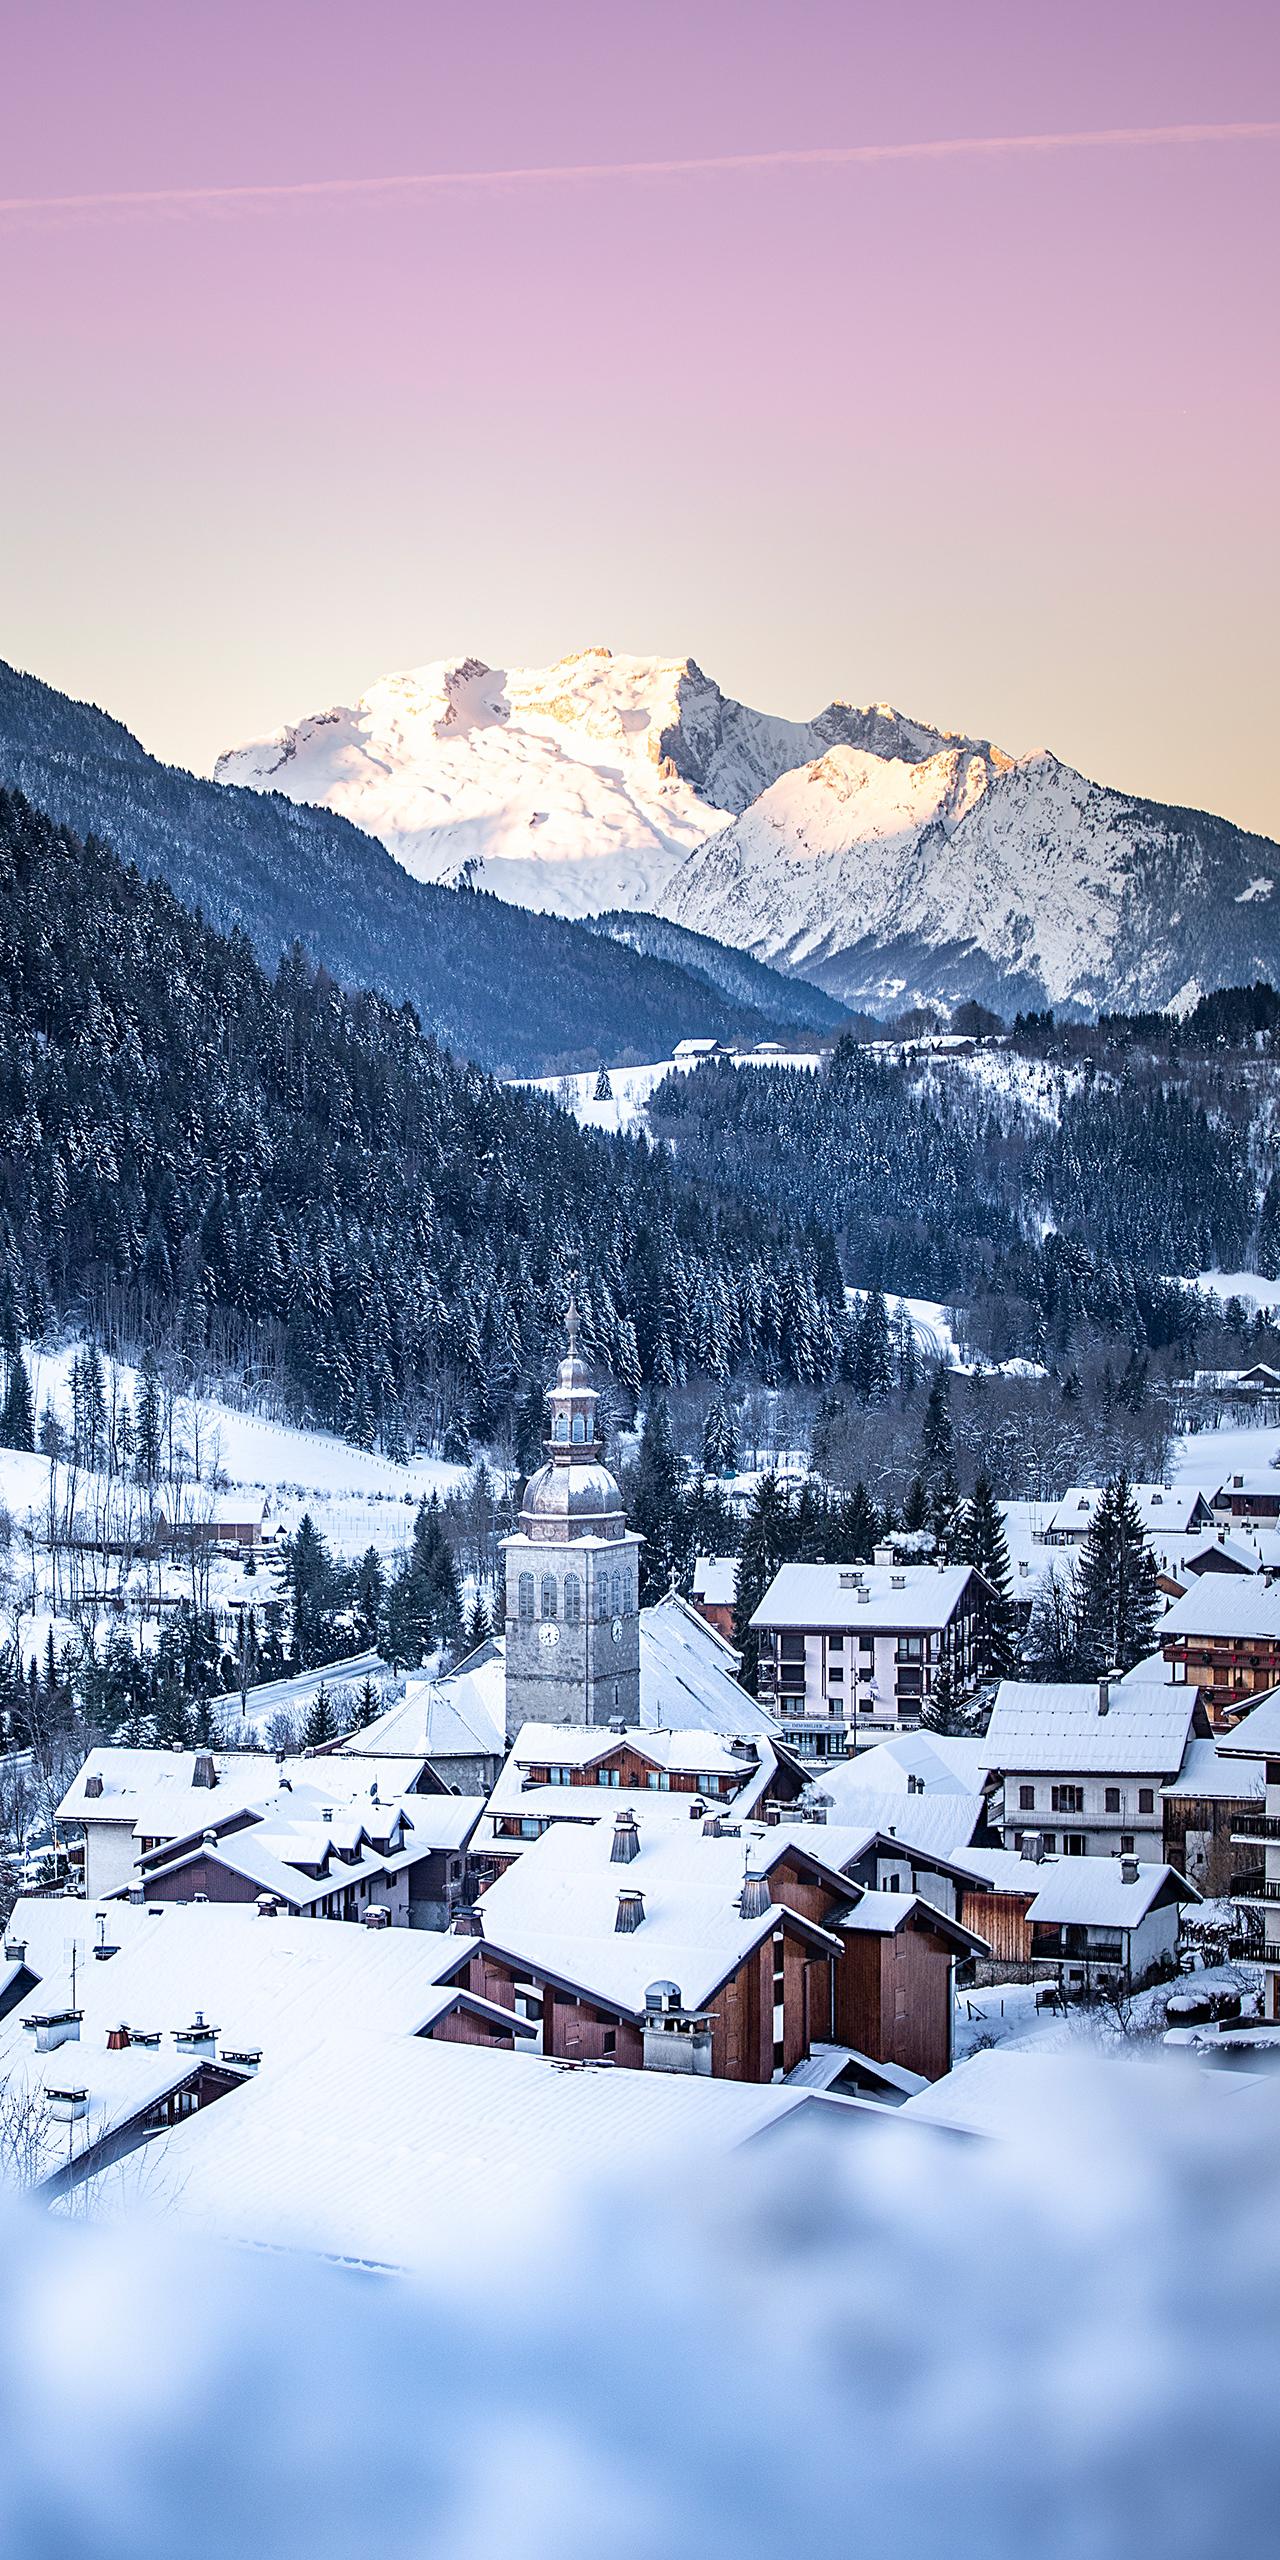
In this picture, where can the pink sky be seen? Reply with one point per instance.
(992, 436)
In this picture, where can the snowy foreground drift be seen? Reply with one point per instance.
(1061, 2342)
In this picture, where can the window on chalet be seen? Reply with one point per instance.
(1113, 1802)
(559, 1777)
(1146, 1799)
(911, 1648)
(609, 2040)
(1026, 1799)
(659, 1778)
(835, 1644)
(1073, 1844)
(1068, 1799)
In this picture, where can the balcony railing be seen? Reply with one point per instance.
(1256, 1826)
(1256, 1888)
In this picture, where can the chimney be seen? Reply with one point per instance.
(713, 1828)
(617, 1724)
(209, 1839)
(15, 1950)
(1033, 1847)
(755, 1898)
(1128, 1871)
(61, 2026)
(267, 1906)
(630, 1910)
(93, 1785)
(377, 1916)
(67, 2105)
(773, 1814)
(199, 2037)
(117, 2039)
(326, 1813)
(468, 1921)
(626, 1838)
(882, 1555)
(203, 1773)
(1104, 1697)
(697, 1808)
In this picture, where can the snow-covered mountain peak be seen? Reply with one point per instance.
(867, 850)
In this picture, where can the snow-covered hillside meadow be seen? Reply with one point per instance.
(214, 1452)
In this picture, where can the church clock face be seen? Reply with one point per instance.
(616, 1631)
(548, 1634)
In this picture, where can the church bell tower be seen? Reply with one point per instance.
(573, 1573)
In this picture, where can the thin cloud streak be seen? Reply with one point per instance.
(232, 199)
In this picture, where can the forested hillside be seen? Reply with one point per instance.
(1056, 1183)
(276, 1178)
(525, 994)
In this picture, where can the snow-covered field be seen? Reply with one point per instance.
(357, 1498)
(1249, 1285)
(632, 1086)
(1208, 1457)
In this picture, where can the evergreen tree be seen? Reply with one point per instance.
(858, 1526)
(1118, 1599)
(368, 1596)
(368, 1703)
(981, 1541)
(942, 1711)
(654, 1489)
(719, 1437)
(312, 1585)
(477, 1629)
(148, 1421)
(937, 1438)
(17, 1421)
(53, 1439)
(766, 1543)
(604, 1090)
(321, 1725)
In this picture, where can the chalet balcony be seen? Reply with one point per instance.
(1257, 1888)
(1256, 1826)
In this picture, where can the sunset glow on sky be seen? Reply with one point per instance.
(991, 434)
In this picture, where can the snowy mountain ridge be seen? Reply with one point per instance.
(886, 860)
(570, 788)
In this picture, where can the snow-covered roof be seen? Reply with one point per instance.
(581, 1746)
(1257, 1735)
(989, 2092)
(281, 1986)
(462, 1716)
(1159, 1507)
(1224, 1604)
(393, 2152)
(882, 1915)
(1057, 1726)
(897, 1596)
(556, 1907)
(1240, 1552)
(925, 1826)
(1250, 1482)
(715, 1580)
(154, 1791)
(940, 1763)
(1090, 1891)
(688, 1675)
(1204, 1772)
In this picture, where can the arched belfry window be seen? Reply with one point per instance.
(526, 1595)
(572, 1600)
(617, 1593)
(562, 1426)
(579, 1426)
(548, 1595)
